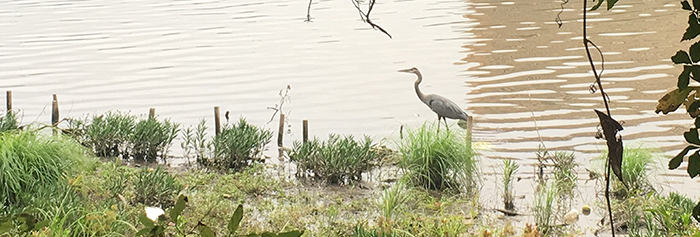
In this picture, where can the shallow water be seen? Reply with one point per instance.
(524, 79)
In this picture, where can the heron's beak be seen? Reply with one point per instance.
(404, 70)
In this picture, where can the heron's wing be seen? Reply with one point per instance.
(445, 107)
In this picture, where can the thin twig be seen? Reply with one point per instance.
(586, 43)
(365, 16)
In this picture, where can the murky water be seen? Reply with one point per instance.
(507, 63)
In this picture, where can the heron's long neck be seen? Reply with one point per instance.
(420, 94)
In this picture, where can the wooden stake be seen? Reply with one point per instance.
(9, 101)
(306, 130)
(217, 120)
(54, 111)
(280, 133)
(151, 113)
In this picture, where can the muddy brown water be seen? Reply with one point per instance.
(506, 62)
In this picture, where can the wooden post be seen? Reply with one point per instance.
(217, 120)
(306, 130)
(9, 101)
(54, 111)
(151, 113)
(280, 133)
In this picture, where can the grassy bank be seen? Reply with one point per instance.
(56, 185)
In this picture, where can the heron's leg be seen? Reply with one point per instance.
(439, 123)
(446, 126)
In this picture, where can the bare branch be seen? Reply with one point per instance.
(365, 16)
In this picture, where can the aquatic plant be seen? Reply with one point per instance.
(438, 160)
(155, 187)
(392, 200)
(509, 169)
(151, 139)
(8, 122)
(237, 146)
(109, 134)
(195, 143)
(544, 208)
(340, 159)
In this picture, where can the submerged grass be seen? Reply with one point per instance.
(438, 159)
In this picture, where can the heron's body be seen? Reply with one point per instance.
(443, 107)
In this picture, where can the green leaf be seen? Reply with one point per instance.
(684, 77)
(6, 225)
(597, 5)
(144, 231)
(148, 223)
(204, 230)
(696, 3)
(693, 107)
(40, 225)
(691, 136)
(235, 219)
(681, 57)
(177, 209)
(686, 5)
(694, 165)
(696, 212)
(697, 122)
(294, 233)
(695, 52)
(678, 159)
(268, 234)
(611, 3)
(672, 100)
(693, 28)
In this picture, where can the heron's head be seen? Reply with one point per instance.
(410, 70)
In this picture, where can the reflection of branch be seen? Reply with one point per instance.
(365, 17)
(308, 12)
(558, 19)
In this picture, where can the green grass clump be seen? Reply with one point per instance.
(117, 134)
(195, 143)
(438, 160)
(109, 134)
(544, 208)
(152, 139)
(237, 146)
(155, 187)
(336, 160)
(31, 163)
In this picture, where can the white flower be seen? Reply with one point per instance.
(154, 212)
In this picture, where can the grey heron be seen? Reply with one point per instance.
(443, 107)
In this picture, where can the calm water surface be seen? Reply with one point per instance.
(506, 62)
